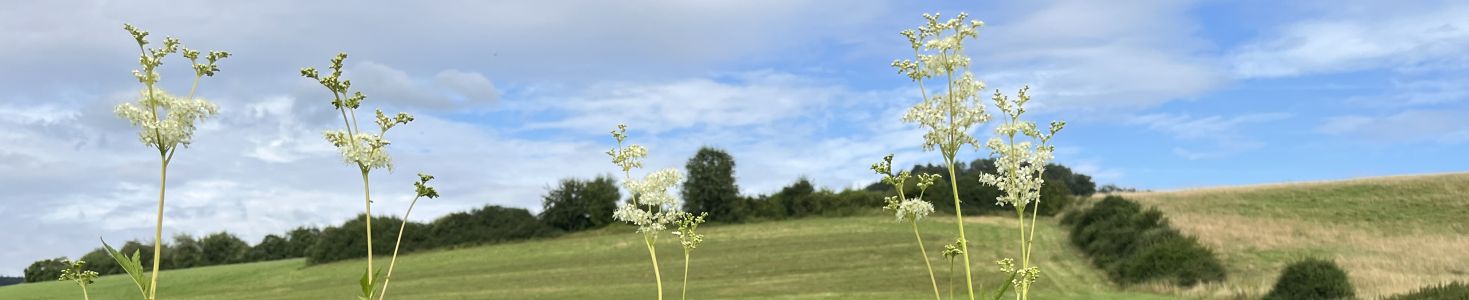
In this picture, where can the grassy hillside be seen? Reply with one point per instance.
(825, 258)
(1392, 234)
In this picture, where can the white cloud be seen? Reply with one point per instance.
(1088, 55)
(1410, 126)
(1406, 37)
(1218, 136)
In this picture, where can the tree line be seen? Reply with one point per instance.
(569, 206)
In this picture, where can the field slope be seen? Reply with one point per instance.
(1391, 234)
(866, 257)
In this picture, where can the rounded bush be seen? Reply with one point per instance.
(1312, 279)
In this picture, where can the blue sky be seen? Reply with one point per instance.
(514, 95)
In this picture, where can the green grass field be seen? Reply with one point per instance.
(1391, 234)
(867, 257)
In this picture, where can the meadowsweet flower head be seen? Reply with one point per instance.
(913, 210)
(651, 207)
(949, 114)
(1020, 163)
(76, 271)
(1007, 265)
(954, 249)
(422, 187)
(365, 149)
(687, 235)
(165, 121)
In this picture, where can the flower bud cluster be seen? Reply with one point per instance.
(165, 121)
(950, 114)
(1020, 164)
(75, 271)
(366, 150)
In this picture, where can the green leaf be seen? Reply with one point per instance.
(1006, 285)
(133, 265)
(369, 284)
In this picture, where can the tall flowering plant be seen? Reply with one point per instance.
(952, 111)
(165, 123)
(1023, 150)
(363, 149)
(909, 209)
(652, 208)
(949, 114)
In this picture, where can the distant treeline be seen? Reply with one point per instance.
(570, 206)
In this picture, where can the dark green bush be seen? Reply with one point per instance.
(349, 240)
(1312, 279)
(1173, 257)
(1448, 291)
(45, 270)
(488, 225)
(1054, 198)
(577, 205)
(1135, 245)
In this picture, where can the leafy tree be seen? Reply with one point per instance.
(300, 240)
(223, 248)
(99, 260)
(797, 198)
(579, 205)
(347, 241)
(487, 225)
(272, 247)
(711, 185)
(186, 253)
(1312, 279)
(45, 270)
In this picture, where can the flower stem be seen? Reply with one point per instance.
(685, 293)
(84, 292)
(394, 261)
(367, 196)
(157, 231)
(649, 239)
(931, 278)
(959, 216)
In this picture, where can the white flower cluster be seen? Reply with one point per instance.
(366, 150)
(913, 209)
(75, 271)
(165, 121)
(1020, 163)
(949, 114)
(651, 207)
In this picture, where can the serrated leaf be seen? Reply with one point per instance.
(369, 284)
(133, 265)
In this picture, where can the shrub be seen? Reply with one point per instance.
(272, 247)
(1448, 291)
(578, 205)
(487, 225)
(185, 253)
(223, 248)
(1312, 279)
(1171, 256)
(300, 240)
(347, 241)
(1135, 245)
(45, 270)
(1055, 197)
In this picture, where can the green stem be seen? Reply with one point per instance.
(367, 196)
(685, 294)
(931, 278)
(951, 278)
(84, 293)
(394, 261)
(650, 240)
(158, 230)
(959, 216)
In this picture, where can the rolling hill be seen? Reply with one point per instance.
(1391, 234)
(867, 257)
